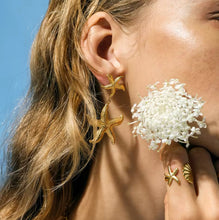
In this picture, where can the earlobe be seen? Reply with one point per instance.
(98, 46)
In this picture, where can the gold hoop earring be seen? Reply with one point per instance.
(104, 124)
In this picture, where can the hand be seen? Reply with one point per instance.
(198, 201)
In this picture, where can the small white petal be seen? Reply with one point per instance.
(164, 114)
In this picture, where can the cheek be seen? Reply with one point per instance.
(164, 52)
(193, 59)
(174, 52)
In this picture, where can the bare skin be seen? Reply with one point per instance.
(172, 39)
(198, 201)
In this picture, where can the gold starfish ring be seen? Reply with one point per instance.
(105, 126)
(172, 176)
(114, 84)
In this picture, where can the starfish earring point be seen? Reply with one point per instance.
(172, 176)
(106, 126)
(113, 85)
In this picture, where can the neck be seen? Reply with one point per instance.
(126, 176)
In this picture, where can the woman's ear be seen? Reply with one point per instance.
(98, 44)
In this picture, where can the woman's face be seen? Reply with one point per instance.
(179, 39)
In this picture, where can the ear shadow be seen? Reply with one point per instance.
(103, 47)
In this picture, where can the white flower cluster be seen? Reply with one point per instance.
(165, 115)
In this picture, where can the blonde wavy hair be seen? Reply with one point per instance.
(49, 149)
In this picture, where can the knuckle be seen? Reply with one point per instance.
(199, 152)
(173, 151)
(178, 157)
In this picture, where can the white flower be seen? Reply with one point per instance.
(165, 115)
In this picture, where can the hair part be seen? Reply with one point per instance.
(50, 146)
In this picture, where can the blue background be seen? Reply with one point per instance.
(19, 22)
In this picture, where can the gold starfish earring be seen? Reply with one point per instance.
(114, 85)
(104, 124)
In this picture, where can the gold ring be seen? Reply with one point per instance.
(172, 176)
(187, 173)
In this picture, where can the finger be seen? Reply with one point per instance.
(204, 173)
(216, 166)
(176, 156)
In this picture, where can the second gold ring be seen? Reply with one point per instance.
(187, 173)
